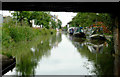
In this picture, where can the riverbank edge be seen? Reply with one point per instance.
(41, 32)
(6, 58)
(7, 63)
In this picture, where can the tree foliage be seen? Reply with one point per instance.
(53, 24)
(87, 19)
(40, 17)
(22, 16)
(59, 24)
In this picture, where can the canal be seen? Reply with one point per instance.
(63, 54)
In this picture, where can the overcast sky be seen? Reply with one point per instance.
(65, 17)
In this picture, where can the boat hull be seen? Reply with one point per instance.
(71, 33)
(81, 34)
(97, 36)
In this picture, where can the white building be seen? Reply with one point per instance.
(35, 26)
(55, 18)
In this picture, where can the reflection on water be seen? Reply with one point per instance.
(62, 54)
(99, 53)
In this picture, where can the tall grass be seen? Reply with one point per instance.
(14, 34)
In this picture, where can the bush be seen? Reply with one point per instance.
(13, 34)
(6, 54)
(21, 33)
(6, 38)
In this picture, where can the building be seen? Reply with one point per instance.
(34, 25)
(54, 17)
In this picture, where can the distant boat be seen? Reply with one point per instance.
(97, 34)
(71, 30)
(79, 32)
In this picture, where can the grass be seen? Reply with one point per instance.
(6, 54)
(15, 34)
(108, 34)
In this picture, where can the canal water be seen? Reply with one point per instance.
(63, 54)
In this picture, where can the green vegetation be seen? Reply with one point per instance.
(59, 24)
(27, 59)
(14, 34)
(87, 19)
(102, 59)
(108, 34)
(6, 54)
(18, 40)
(18, 28)
(40, 17)
(29, 45)
(103, 62)
(65, 28)
(0, 38)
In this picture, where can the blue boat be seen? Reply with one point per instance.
(79, 32)
(71, 31)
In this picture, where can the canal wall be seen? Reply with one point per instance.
(117, 66)
(116, 38)
(6, 64)
(116, 35)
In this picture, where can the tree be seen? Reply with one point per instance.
(59, 24)
(22, 16)
(40, 17)
(87, 19)
(53, 24)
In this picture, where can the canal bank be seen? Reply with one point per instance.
(36, 47)
(6, 64)
(18, 36)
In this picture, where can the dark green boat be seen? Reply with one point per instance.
(79, 33)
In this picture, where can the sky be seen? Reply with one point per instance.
(5, 13)
(65, 17)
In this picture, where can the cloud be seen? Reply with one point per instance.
(65, 17)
